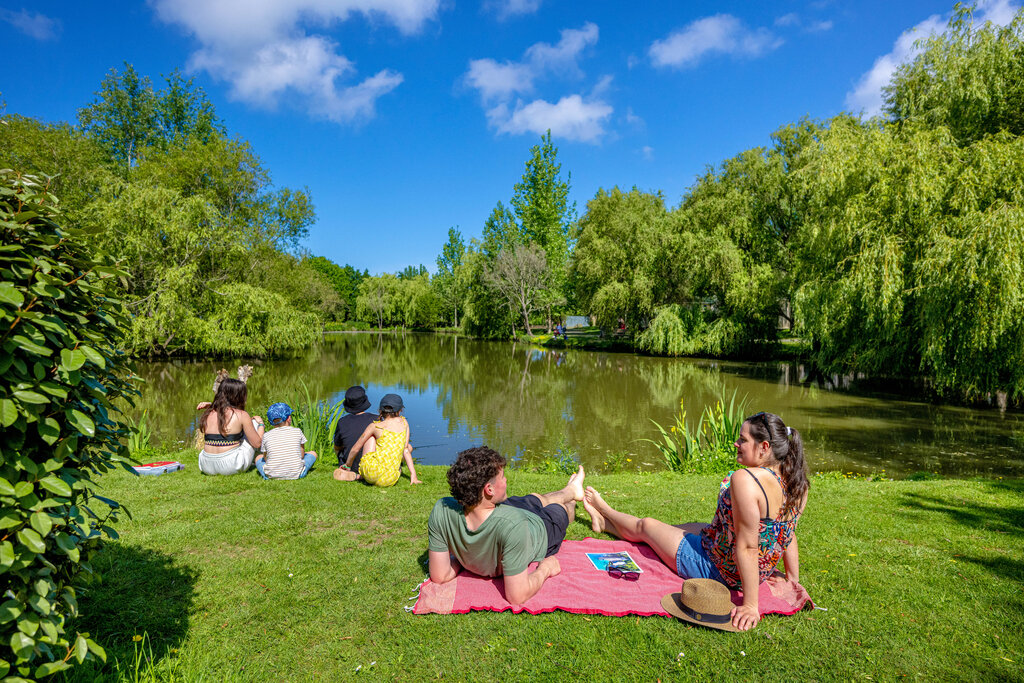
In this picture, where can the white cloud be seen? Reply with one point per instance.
(495, 80)
(722, 33)
(866, 96)
(34, 25)
(648, 152)
(571, 118)
(819, 26)
(262, 48)
(510, 8)
(791, 19)
(634, 120)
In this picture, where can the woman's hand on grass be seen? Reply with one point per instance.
(415, 480)
(745, 617)
(203, 405)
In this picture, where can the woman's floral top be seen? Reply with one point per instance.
(773, 536)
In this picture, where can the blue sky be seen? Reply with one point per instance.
(407, 117)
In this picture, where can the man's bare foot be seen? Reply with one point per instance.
(576, 484)
(591, 499)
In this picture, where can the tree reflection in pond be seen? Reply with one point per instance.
(525, 401)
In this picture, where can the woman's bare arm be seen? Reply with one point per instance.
(746, 517)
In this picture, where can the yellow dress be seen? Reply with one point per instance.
(383, 467)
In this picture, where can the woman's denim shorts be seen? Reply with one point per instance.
(692, 562)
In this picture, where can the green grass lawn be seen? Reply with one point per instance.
(236, 578)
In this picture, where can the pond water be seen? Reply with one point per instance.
(526, 401)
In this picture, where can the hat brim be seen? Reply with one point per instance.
(671, 604)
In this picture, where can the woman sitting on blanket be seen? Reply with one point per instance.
(754, 526)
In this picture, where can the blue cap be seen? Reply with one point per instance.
(278, 413)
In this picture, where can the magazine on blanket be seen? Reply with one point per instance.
(621, 559)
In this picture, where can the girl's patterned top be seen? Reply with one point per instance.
(719, 538)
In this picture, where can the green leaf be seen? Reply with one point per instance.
(81, 649)
(56, 485)
(5, 488)
(10, 610)
(72, 359)
(96, 649)
(30, 346)
(94, 356)
(9, 294)
(8, 412)
(41, 522)
(50, 668)
(23, 488)
(21, 644)
(38, 603)
(29, 624)
(31, 540)
(6, 554)
(49, 430)
(82, 422)
(31, 397)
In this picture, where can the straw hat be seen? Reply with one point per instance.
(702, 601)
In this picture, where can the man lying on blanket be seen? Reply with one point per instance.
(489, 533)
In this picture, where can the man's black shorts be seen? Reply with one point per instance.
(554, 516)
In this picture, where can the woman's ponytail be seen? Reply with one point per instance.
(788, 450)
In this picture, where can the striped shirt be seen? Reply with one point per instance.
(284, 449)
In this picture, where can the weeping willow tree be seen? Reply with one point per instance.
(911, 251)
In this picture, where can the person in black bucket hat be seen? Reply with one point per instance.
(351, 426)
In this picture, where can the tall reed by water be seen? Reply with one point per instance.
(707, 447)
(317, 420)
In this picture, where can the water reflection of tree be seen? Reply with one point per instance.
(520, 398)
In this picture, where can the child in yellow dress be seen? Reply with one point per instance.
(383, 466)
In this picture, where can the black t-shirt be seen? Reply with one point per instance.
(350, 428)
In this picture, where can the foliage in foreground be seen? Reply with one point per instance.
(904, 569)
(62, 374)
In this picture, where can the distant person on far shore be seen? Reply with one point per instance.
(284, 455)
(382, 465)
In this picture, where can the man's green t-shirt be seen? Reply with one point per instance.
(504, 545)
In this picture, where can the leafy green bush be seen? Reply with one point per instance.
(61, 376)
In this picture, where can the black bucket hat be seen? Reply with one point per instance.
(355, 400)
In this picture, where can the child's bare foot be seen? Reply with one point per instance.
(576, 484)
(591, 499)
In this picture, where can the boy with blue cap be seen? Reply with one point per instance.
(284, 456)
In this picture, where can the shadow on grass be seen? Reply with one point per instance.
(1007, 519)
(140, 591)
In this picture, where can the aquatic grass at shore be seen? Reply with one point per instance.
(707, 447)
(317, 420)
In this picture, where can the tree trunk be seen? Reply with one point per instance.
(526, 321)
(549, 318)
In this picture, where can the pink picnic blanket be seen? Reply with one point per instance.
(582, 589)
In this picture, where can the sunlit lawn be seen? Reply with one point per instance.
(236, 578)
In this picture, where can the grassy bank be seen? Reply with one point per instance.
(235, 578)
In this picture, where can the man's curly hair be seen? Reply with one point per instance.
(473, 468)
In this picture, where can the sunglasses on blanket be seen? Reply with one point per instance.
(617, 572)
